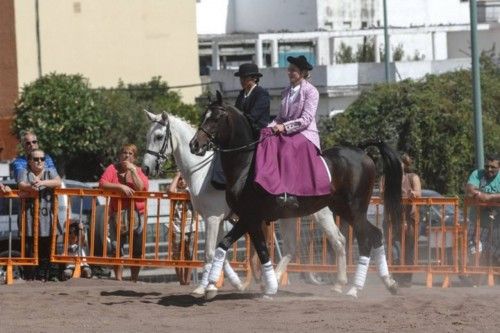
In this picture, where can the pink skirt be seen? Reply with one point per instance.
(291, 164)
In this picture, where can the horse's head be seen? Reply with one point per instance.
(212, 129)
(158, 144)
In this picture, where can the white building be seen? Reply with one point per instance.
(267, 31)
(245, 16)
(231, 32)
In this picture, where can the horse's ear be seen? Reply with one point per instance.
(219, 98)
(151, 116)
(164, 116)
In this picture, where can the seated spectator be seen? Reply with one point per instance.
(127, 178)
(39, 182)
(483, 185)
(29, 142)
(76, 247)
(179, 185)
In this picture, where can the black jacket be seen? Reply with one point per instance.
(256, 107)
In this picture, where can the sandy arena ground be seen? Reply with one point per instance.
(94, 305)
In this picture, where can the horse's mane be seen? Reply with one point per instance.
(176, 119)
(240, 114)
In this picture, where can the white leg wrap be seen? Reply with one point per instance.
(204, 275)
(232, 276)
(202, 285)
(217, 263)
(269, 278)
(361, 271)
(380, 261)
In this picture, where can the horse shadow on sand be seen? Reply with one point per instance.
(189, 300)
(186, 300)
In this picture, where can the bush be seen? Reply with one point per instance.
(84, 128)
(431, 119)
(64, 112)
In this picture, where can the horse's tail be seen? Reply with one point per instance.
(392, 180)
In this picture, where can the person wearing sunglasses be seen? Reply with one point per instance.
(36, 182)
(29, 142)
(483, 185)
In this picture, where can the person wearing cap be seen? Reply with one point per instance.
(254, 102)
(289, 163)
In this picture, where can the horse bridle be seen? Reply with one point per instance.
(160, 155)
(215, 146)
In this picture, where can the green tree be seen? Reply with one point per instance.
(345, 54)
(84, 128)
(432, 119)
(64, 112)
(124, 107)
(366, 51)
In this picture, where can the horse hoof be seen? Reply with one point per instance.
(199, 291)
(267, 297)
(353, 292)
(337, 287)
(240, 287)
(210, 292)
(391, 285)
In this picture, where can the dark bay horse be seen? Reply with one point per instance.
(353, 175)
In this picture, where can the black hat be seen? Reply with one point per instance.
(248, 70)
(301, 62)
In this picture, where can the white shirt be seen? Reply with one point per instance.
(294, 92)
(245, 95)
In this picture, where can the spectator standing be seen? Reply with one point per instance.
(126, 177)
(411, 188)
(179, 185)
(30, 143)
(483, 185)
(40, 182)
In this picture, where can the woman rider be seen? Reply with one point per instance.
(289, 164)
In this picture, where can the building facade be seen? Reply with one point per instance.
(105, 41)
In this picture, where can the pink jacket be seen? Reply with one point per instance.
(300, 115)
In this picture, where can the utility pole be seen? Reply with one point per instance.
(476, 88)
(38, 45)
(386, 42)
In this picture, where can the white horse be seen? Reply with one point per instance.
(169, 134)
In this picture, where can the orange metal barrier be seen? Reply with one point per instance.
(158, 245)
(436, 241)
(479, 247)
(15, 243)
(439, 242)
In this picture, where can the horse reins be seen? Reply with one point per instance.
(211, 139)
